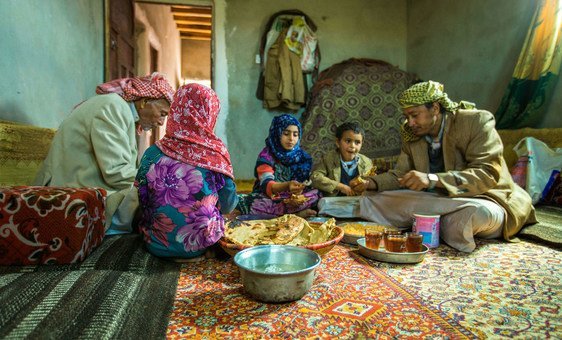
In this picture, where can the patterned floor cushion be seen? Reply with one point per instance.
(50, 225)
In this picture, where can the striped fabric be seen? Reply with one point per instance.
(119, 291)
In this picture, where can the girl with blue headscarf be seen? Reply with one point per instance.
(281, 171)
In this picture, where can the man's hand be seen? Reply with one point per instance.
(359, 185)
(414, 180)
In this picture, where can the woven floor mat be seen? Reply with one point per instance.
(549, 229)
(119, 292)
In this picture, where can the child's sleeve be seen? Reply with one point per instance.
(366, 166)
(320, 177)
(266, 176)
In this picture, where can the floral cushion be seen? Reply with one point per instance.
(47, 225)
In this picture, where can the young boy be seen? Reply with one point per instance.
(336, 169)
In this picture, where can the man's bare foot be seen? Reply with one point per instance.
(306, 213)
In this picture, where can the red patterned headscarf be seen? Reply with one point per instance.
(152, 86)
(190, 135)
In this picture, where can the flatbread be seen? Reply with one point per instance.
(288, 229)
(249, 233)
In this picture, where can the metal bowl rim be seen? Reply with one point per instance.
(278, 247)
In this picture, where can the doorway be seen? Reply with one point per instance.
(138, 29)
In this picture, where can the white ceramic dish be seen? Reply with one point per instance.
(386, 256)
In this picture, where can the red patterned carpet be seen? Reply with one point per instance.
(349, 299)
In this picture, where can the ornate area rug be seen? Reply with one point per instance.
(501, 290)
(349, 299)
(119, 292)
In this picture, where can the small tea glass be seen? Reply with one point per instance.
(389, 231)
(414, 241)
(395, 243)
(373, 238)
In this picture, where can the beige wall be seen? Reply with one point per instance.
(472, 47)
(196, 59)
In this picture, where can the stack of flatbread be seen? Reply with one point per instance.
(288, 229)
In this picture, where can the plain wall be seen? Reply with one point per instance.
(472, 48)
(196, 59)
(52, 58)
(162, 24)
(352, 29)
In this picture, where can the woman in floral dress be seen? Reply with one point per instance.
(282, 170)
(185, 180)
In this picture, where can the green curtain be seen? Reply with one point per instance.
(536, 73)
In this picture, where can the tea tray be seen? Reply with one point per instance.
(386, 256)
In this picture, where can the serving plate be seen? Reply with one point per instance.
(386, 256)
(350, 238)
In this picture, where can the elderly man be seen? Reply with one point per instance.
(451, 164)
(96, 145)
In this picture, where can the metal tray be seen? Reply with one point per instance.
(385, 256)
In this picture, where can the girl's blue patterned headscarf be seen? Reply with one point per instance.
(298, 160)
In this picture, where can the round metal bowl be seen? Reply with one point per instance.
(320, 248)
(276, 273)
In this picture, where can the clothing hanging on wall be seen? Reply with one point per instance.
(290, 59)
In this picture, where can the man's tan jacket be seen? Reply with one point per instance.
(474, 166)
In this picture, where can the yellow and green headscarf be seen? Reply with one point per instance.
(429, 92)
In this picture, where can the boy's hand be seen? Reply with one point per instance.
(346, 189)
(358, 185)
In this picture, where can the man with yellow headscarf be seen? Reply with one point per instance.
(451, 164)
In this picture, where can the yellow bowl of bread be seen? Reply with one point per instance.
(288, 229)
(356, 230)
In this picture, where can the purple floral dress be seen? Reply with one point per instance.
(181, 205)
